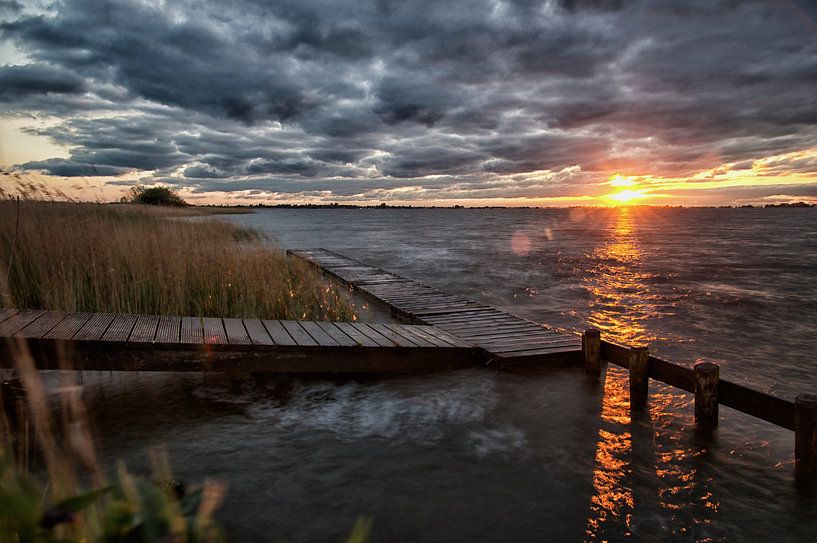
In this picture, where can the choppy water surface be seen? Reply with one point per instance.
(474, 455)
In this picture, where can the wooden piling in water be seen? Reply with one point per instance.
(591, 348)
(639, 377)
(805, 437)
(707, 375)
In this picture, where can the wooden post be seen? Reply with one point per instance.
(591, 347)
(805, 437)
(706, 393)
(639, 377)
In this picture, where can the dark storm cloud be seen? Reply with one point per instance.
(413, 97)
(20, 81)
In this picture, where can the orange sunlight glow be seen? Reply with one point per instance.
(626, 196)
(629, 191)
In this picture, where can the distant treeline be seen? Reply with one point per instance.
(387, 206)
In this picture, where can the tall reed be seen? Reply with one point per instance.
(142, 259)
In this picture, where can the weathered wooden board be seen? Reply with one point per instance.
(168, 330)
(172, 343)
(415, 302)
(236, 333)
(145, 329)
(42, 325)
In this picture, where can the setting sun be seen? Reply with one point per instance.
(626, 196)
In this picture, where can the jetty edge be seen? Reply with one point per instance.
(118, 342)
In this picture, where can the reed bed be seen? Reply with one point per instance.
(124, 258)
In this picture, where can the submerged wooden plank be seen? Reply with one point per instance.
(145, 329)
(214, 333)
(278, 333)
(168, 330)
(120, 328)
(18, 321)
(258, 334)
(94, 329)
(41, 326)
(236, 333)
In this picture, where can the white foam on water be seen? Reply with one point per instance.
(353, 411)
(502, 441)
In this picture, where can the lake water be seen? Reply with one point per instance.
(480, 456)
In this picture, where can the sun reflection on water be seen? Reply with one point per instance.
(620, 297)
(639, 469)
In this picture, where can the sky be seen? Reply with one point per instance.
(548, 103)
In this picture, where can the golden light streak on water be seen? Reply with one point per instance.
(612, 500)
(617, 284)
(621, 304)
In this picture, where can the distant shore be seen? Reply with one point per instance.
(249, 207)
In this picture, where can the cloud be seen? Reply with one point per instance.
(413, 97)
(20, 81)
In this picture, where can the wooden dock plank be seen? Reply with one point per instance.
(420, 331)
(337, 334)
(278, 333)
(192, 331)
(357, 336)
(464, 321)
(301, 336)
(145, 329)
(68, 327)
(236, 333)
(318, 334)
(534, 352)
(18, 321)
(446, 336)
(120, 328)
(410, 335)
(374, 335)
(214, 333)
(526, 347)
(95, 328)
(43, 325)
(397, 339)
(168, 330)
(478, 328)
(506, 332)
(258, 334)
(7, 312)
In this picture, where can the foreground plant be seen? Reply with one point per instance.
(77, 503)
(130, 509)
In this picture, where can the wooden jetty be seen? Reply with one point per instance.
(104, 341)
(441, 331)
(506, 339)
(511, 340)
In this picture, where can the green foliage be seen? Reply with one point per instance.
(157, 196)
(132, 509)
